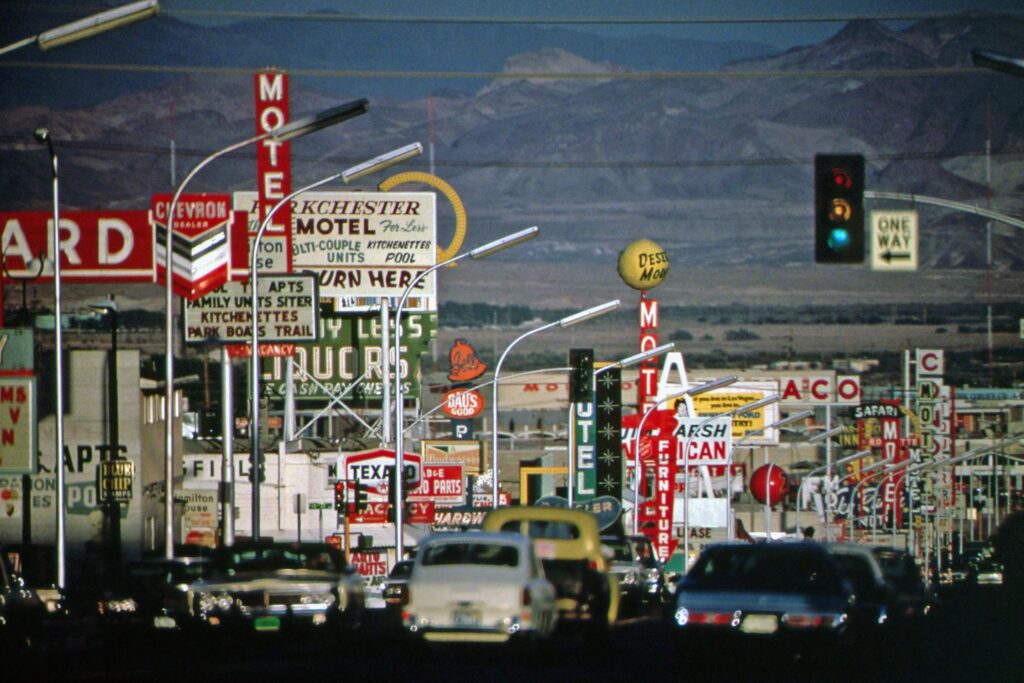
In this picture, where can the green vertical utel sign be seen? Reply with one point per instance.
(582, 423)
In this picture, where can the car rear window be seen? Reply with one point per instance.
(488, 554)
(539, 528)
(781, 569)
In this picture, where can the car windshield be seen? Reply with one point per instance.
(544, 529)
(782, 569)
(169, 573)
(402, 570)
(489, 554)
(620, 548)
(900, 570)
(645, 552)
(858, 570)
(271, 559)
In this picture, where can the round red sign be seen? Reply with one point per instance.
(462, 403)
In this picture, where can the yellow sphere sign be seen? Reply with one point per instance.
(643, 264)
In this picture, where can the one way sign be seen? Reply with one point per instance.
(894, 240)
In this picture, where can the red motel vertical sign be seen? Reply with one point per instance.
(273, 158)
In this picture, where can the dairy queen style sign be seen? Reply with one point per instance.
(462, 404)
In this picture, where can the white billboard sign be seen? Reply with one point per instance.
(287, 311)
(363, 244)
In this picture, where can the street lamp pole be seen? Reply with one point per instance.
(289, 131)
(567, 321)
(480, 252)
(348, 175)
(42, 135)
(111, 507)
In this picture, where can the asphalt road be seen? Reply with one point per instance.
(974, 636)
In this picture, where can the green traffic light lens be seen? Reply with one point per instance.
(839, 239)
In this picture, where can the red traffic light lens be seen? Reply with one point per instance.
(841, 178)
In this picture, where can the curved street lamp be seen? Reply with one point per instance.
(289, 131)
(348, 175)
(480, 252)
(624, 363)
(43, 136)
(692, 391)
(567, 321)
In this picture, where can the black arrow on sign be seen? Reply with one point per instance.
(889, 257)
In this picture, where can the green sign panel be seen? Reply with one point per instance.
(349, 348)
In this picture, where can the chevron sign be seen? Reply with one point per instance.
(202, 242)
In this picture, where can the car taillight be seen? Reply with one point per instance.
(527, 599)
(715, 618)
(808, 620)
(593, 565)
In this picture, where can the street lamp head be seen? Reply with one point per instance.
(630, 361)
(790, 419)
(590, 313)
(104, 306)
(321, 120)
(761, 403)
(835, 431)
(381, 162)
(505, 242)
(98, 23)
(711, 385)
(42, 135)
(998, 62)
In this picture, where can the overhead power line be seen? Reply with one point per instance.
(730, 74)
(553, 20)
(575, 21)
(18, 143)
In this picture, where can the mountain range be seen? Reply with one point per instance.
(705, 148)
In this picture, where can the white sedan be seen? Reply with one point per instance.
(475, 586)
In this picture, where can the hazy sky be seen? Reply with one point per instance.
(782, 23)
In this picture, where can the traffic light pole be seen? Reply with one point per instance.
(957, 206)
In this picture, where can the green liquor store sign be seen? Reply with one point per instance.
(348, 351)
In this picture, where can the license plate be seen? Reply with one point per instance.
(163, 621)
(267, 624)
(466, 617)
(759, 623)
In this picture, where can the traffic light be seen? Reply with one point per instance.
(359, 501)
(339, 496)
(581, 375)
(259, 472)
(392, 495)
(839, 208)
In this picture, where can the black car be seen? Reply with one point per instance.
(911, 598)
(269, 587)
(30, 601)
(150, 594)
(786, 599)
(874, 597)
